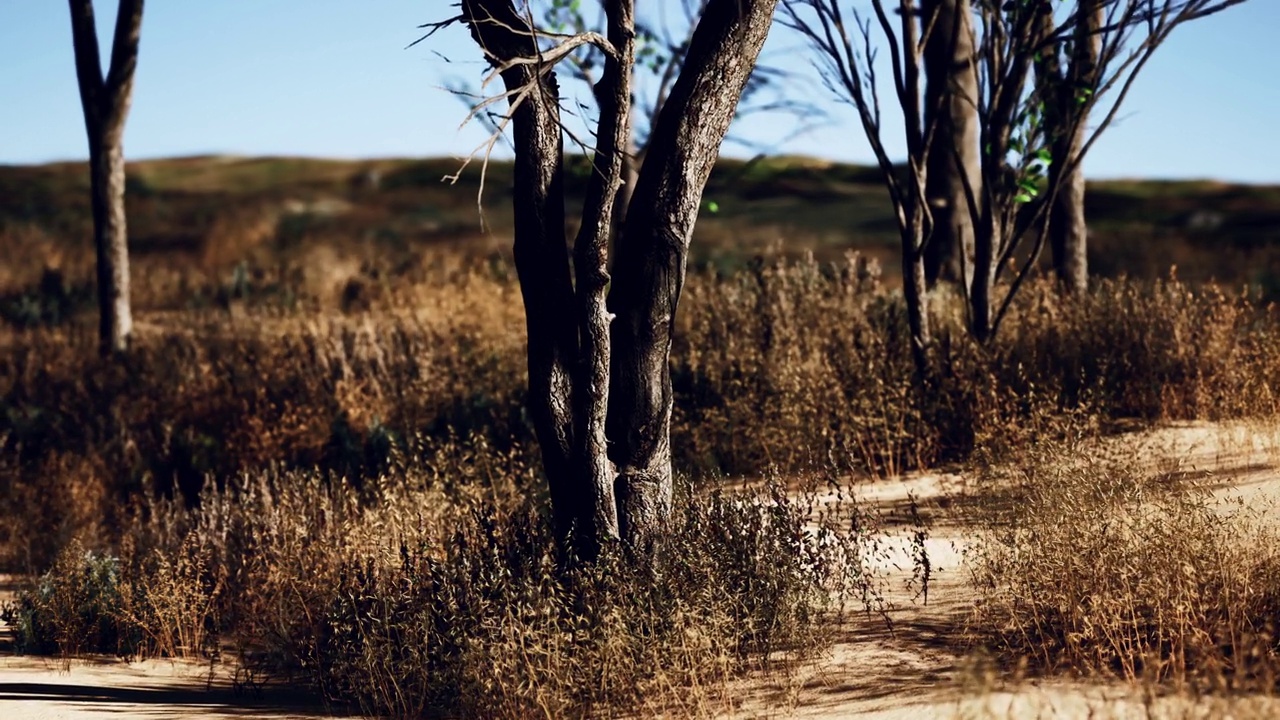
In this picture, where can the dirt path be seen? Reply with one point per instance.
(920, 670)
(916, 671)
(33, 688)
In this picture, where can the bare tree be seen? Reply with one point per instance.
(1021, 176)
(600, 386)
(105, 101)
(1086, 54)
(843, 55)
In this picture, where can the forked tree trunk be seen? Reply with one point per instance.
(105, 102)
(598, 381)
(951, 93)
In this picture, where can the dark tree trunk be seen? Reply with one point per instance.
(914, 285)
(105, 102)
(597, 381)
(541, 255)
(982, 289)
(951, 93)
(650, 268)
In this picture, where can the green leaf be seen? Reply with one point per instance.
(713, 206)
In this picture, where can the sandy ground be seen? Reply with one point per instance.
(35, 689)
(914, 671)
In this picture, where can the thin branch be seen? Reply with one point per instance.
(434, 27)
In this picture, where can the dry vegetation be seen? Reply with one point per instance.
(316, 463)
(1097, 566)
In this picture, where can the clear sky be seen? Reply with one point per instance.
(333, 78)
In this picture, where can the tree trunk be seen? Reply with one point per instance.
(914, 284)
(951, 93)
(593, 391)
(1068, 231)
(650, 268)
(105, 102)
(981, 291)
(111, 242)
(541, 255)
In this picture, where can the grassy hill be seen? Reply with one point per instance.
(217, 213)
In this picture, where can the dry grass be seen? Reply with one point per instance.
(316, 460)
(410, 599)
(1100, 567)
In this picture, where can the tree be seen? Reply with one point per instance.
(105, 102)
(599, 385)
(847, 71)
(1087, 53)
(1066, 72)
(1019, 120)
(950, 89)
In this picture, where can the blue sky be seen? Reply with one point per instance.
(333, 78)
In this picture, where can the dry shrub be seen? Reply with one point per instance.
(411, 599)
(791, 363)
(170, 596)
(478, 616)
(74, 608)
(1097, 565)
(43, 508)
(1162, 350)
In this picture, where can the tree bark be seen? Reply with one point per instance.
(982, 290)
(951, 93)
(1068, 230)
(105, 103)
(650, 268)
(914, 285)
